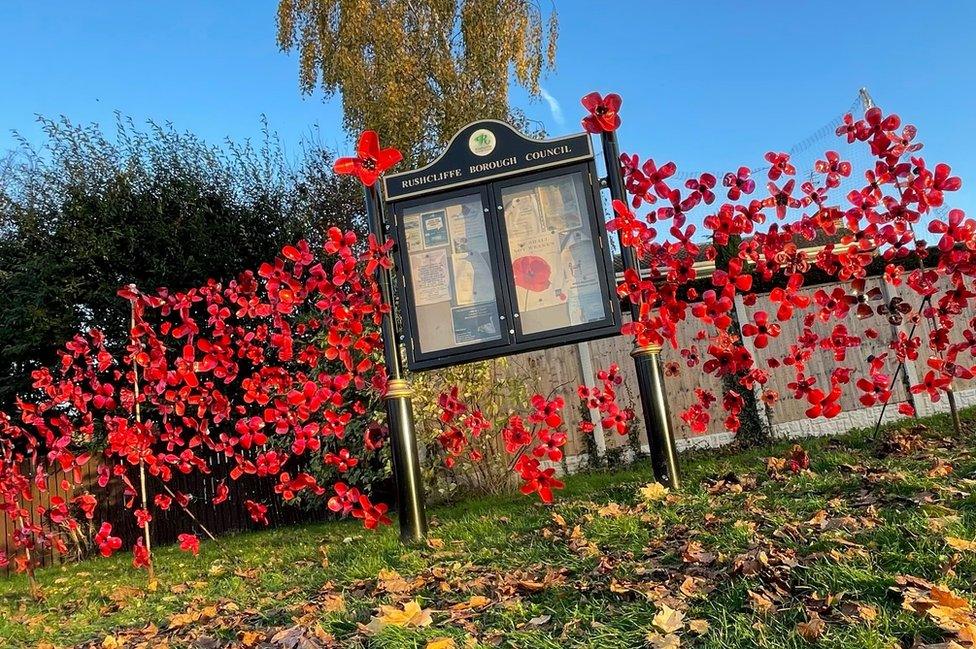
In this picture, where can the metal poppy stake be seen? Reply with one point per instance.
(604, 119)
(370, 162)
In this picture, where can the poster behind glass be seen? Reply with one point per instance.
(450, 274)
(554, 261)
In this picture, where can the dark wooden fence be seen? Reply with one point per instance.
(231, 515)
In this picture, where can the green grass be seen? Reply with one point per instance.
(547, 586)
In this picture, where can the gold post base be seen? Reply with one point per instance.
(397, 388)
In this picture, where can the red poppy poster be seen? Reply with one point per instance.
(537, 270)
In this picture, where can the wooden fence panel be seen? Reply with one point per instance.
(822, 362)
(924, 331)
(228, 516)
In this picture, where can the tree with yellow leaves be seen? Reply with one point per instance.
(416, 71)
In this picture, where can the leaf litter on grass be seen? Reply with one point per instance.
(764, 539)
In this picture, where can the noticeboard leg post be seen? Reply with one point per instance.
(411, 507)
(657, 416)
(406, 463)
(647, 360)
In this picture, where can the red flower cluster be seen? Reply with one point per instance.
(271, 368)
(265, 370)
(878, 220)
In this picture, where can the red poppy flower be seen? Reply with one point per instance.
(345, 500)
(874, 390)
(222, 493)
(532, 273)
(824, 405)
(371, 515)
(611, 375)
(657, 175)
(739, 183)
(703, 186)
(697, 418)
(451, 406)
(761, 328)
(837, 303)
(107, 544)
(788, 298)
(902, 144)
(189, 543)
(928, 187)
(834, 167)
(848, 128)
(933, 383)
(370, 161)
(781, 199)
(550, 444)
(142, 517)
(617, 418)
(876, 124)
(515, 435)
(342, 461)
(714, 309)
(779, 164)
(678, 207)
(603, 117)
(734, 277)
(87, 503)
(547, 411)
(140, 556)
(375, 436)
(257, 511)
(954, 230)
(536, 480)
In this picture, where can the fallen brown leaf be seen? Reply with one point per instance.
(410, 616)
(698, 627)
(960, 544)
(812, 629)
(668, 619)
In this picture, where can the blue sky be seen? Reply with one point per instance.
(709, 86)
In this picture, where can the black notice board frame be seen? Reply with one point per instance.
(440, 181)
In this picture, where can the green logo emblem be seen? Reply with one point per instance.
(481, 142)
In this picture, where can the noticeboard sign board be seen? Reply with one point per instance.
(501, 248)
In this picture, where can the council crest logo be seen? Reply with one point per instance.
(481, 142)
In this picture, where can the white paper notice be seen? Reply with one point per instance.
(582, 279)
(431, 277)
(411, 230)
(467, 227)
(561, 205)
(522, 215)
(473, 283)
